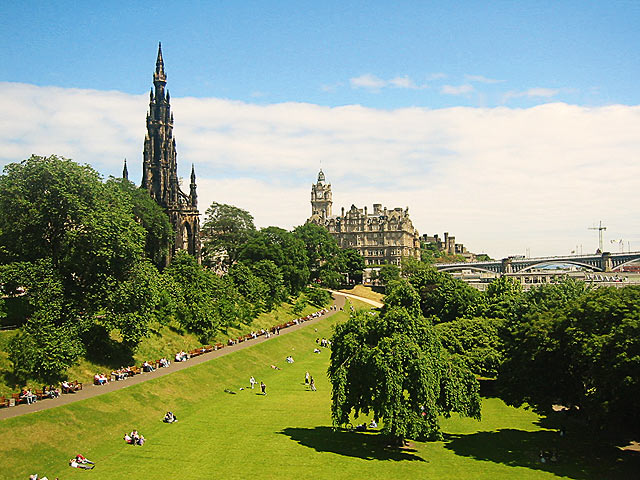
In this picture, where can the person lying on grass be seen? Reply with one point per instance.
(74, 463)
(82, 459)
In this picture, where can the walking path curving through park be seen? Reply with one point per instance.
(91, 390)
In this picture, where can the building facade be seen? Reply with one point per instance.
(448, 245)
(160, 168)
(382, 236)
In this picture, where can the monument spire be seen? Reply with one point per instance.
(159, 74)
(160, 167)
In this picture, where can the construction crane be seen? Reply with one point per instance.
(600, 229)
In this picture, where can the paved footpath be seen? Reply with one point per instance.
(91, 390)
(362, 299)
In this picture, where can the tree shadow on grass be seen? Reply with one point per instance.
(576, 458)
(368, 446)
(103, 350)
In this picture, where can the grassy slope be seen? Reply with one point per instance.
(366, 292)
(163, 341)
(285, 434)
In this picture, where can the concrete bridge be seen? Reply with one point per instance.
(600, 262)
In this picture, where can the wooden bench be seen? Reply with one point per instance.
(17, 399)
(218, 346)
(4, 402)
(73, 387)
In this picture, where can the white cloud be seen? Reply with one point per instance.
(373, 83)
(501, 180)
(537, 92)
(481, 79)
(367, 81)
(457, 89)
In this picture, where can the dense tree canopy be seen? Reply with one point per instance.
(159, 235)
(73, 245)
(226, 229)
(443, 296)
(584, 355)
(394, 366)
(285, 250)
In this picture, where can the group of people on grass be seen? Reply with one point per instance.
(134, 438)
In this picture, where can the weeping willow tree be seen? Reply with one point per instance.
(393, 365)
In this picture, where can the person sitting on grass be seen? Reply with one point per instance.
(136, 438)
(169, 418)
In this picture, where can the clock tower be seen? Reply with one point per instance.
(321, 197)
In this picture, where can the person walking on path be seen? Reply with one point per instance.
(252, 381)
(313, 385)
(263, 388)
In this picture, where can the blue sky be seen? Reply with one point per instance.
(514, 126)
(579, 51)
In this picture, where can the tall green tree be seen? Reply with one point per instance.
(70, 241)
(159, 235)
(475, 342)
(320, 246)
(226, 229)
(284, 249)
(584, 355)
(443, 296)
(353, 264)
(58, 210)
(395, 367)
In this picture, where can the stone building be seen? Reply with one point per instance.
(160, 168)
(448, 245)
(381, 237)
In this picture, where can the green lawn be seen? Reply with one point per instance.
(283, 435)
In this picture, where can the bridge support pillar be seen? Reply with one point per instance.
(606, 262)
(506, 265)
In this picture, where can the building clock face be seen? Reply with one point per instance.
(319, 193)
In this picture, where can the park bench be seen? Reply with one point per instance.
(73, 387)
(218, 346)
(40, 394)
(209, 348)
(4, 402)
(18, 399)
